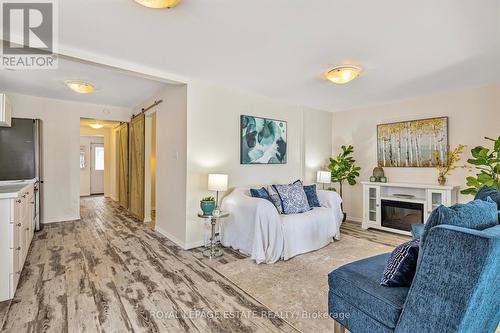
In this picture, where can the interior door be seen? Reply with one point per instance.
(137, 166)
(96, 168)
(123, 167)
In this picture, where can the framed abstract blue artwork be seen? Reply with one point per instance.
(263, 140)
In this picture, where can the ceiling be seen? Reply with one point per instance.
(280, 48)
(113, 87)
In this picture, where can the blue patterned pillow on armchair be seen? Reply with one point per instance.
(293, 198)
(401, 265)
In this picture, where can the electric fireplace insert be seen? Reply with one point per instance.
(400, 214)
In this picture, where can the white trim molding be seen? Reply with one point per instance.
(177, 241)
(355, 219)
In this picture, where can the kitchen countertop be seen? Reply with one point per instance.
(11, 190)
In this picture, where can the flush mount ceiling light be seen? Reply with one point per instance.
(96, 126)
(158, 4)
(80, 87)
(343, 74)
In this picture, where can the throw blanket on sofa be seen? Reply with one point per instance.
(257, 229)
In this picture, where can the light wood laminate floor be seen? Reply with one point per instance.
(108, 273)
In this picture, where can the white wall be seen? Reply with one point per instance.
(85, 142)
(61, 148)
(197, 133)
(473, 114)
(213, 144)
(170, 161)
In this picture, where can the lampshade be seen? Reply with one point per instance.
(324, 177)
(217, 182)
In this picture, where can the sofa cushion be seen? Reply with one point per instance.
(293, 198)
(477, 214)
(401, 265)
(359, 283)
(486, 192)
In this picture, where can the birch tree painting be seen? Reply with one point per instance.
(417, 143)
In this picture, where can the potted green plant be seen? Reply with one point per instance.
(207, 205)
(344, 168)
(488, 163)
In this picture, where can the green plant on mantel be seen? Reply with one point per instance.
(488, 163)
(208, 199)
(344, 168)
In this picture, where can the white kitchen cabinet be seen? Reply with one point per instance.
(16, 233)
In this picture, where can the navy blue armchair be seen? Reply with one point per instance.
(456, 288)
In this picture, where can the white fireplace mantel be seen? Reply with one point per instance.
(426, 196)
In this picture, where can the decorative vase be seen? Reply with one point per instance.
(442, 180)
(378, 172)
(207, 207)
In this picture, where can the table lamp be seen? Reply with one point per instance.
(324, 177)
(217, 183)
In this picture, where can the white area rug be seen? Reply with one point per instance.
(297, 289)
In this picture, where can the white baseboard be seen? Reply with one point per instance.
(179, 242)
(194, 245)
(355, 219)
(69, 219)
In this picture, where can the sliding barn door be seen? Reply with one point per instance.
(122, 158)
(137, 166)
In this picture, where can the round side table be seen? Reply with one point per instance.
(213, 251)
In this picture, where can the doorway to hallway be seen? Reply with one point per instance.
(96, 168)
(91, 165)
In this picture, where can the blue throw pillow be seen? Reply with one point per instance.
(276, 200)
(477, 214)
(311, 194)
(260, 193)
(401, 265)
(486, 192)
(293, 198)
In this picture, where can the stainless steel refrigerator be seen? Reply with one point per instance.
(21, 156)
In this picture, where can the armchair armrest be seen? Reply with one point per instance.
(457, 286)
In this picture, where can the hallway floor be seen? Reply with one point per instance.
(107, 272)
